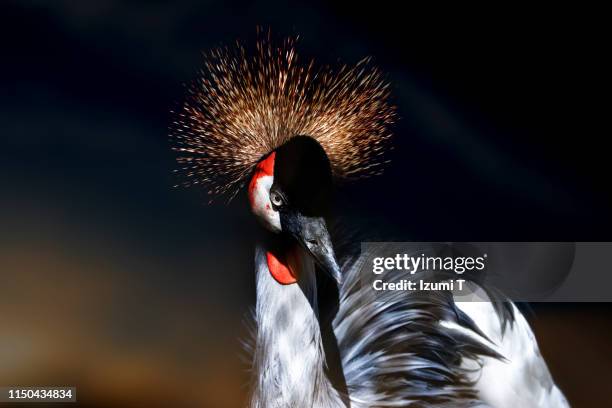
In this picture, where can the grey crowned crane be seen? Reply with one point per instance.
(286, 131)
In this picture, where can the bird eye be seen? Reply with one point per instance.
(276, 198)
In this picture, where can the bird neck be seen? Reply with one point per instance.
(289, 358)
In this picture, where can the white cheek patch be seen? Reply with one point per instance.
(261, 205)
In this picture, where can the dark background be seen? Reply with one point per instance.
(134, 291)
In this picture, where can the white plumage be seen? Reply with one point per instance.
(522, 378)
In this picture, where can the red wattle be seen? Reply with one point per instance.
(280, 270)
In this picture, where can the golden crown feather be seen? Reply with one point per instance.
(243, 107)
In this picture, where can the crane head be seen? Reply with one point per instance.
(290, 126)
(290, 194)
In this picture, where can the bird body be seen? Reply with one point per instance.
(388, 350)
(288, 131)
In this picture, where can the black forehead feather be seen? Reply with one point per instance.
(302, 171)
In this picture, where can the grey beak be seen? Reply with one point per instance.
(312, 234)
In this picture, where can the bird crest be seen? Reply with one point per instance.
(245, 105)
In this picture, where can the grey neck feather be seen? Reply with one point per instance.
(289, 360)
